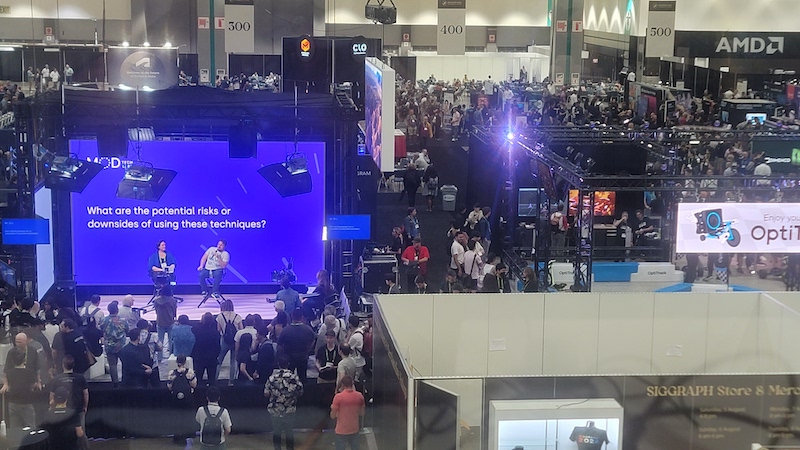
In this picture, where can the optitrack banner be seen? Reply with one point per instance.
(738, 228)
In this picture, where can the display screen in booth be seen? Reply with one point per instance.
(373, 102)
(529, 200)
(26, 231)
(783, 157)
(756, 118)
(605, 203)
(738, 228)
(350, 227)
(212, 197)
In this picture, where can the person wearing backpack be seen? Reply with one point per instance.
(228, 323)
(215, 421)
(115, 330)
(91, 320)
(181, 384)
(91, 312)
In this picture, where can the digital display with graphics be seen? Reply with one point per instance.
(781, 156)
(26, 231)
(355, 227)
(212, 197)
(738, 228)
(153, 68)
(373, 102)
(605, 203)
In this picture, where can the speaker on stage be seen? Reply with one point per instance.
(112, 141)
(242, 141)
(284, 181)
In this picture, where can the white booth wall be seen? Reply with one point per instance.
(467, 337)
(480, 65)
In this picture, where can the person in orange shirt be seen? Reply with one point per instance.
(347, 409)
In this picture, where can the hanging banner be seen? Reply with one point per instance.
(153, 68)
(239, 26)
(738, 227)
(661, 29)
(451, 34)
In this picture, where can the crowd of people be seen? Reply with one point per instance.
(242, 82)
(54, 349)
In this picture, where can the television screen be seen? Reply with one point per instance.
(756, 118)
(26, 231)
(213, 197)
(354, 227)
(8, 274)
(605, 203)
(529, 200)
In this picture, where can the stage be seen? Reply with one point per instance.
(243, 304)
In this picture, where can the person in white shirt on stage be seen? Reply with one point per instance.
(213, 262)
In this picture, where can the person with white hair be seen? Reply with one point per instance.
(127, 313)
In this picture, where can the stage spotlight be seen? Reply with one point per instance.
(68, 173)
(588, 163)
(125, 43)
(143, 182)
(141, 134)
(510, 136)
(146, 44)
(289, 178)
(167, 44)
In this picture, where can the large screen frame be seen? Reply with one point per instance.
(270, 207)
(380, 78)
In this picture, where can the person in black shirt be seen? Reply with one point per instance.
(420, 286)
(62, 423)
(449, 281)
(398, 242)
(266, 356)
(644, 225)
(295, 341)
(20, 380)
(69, 341)
(136, 362)
(531, 283)
(206, 348)
(77, 388)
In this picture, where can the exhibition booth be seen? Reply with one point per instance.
(550, 371)
(480, 65)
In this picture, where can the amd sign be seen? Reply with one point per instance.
(751, 45)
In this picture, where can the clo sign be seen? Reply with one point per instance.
(360, 48)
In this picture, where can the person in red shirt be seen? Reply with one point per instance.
(415, 258)
(347, 409)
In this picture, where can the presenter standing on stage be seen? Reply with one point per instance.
(161, 262)
(214, 260)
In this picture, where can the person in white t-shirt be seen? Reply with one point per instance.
(213, 262)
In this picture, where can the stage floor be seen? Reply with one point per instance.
(243, 304)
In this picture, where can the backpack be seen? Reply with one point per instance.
(88, 318)
(229, 333)
(212, 428)
(180, 386)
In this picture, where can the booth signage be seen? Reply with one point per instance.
(306, 44)
(451, 32)
(156, 68)
(239, 26)
(359, 47)
(738, 228)
(739, 45)
(660, 29)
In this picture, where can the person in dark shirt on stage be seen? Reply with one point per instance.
(644, 226)
(63, 424)
(162, 262)
(295, 341)
(135, 362)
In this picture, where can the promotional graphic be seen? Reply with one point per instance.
(153, 68)
(212, 197)
(738, 228)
